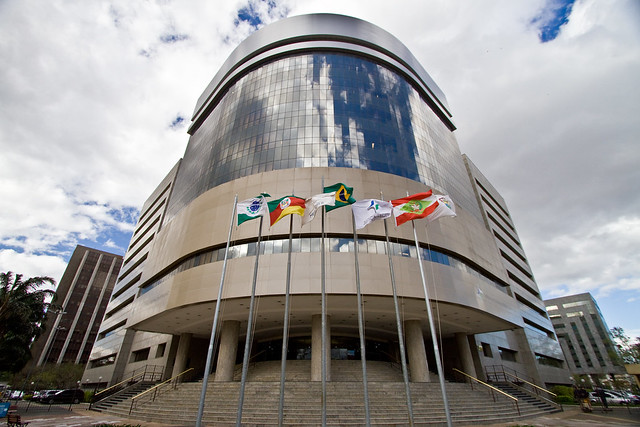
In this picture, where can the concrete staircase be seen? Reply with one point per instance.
(123, 395)
(526, 399)
(345, 400)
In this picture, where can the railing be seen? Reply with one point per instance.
(148, 373)
(492, 390)
(531, 388)
(498, 373)
(151, 394)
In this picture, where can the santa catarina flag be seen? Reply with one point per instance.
(313, 203)
(343, 195)
(252, 208)
(285, 206)
(412, 207)
(368, 210)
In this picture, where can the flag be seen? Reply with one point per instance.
(368, 210)
(252, 208)
(412, 207)
(285, 206)
(343, 195)
(445, 208)
(422, 205)
(315, 202)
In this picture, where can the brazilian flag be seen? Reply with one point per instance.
(344, 195)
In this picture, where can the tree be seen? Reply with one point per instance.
(629, 351)
(23, 309)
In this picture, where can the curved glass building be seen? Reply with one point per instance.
(304, 103)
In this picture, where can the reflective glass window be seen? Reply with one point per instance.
(327, 109)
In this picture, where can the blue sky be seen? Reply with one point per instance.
(97, 97)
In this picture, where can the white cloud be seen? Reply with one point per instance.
(90, 91)
(33, 265)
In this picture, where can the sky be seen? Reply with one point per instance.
(96, 98)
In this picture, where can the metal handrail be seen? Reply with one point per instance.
(538, 396)
(501, 370)
(491, 388)
(155, 389)
(537, 387)
(117, 385)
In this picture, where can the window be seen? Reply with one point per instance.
(112, 330)
(103, 361)
(139, 355)
(486, 349)
(507, 355)
(549, 361)
(160, 351)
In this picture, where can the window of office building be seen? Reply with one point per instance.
(507, 355)
(319, 110)
(140, 355)
(486, 349)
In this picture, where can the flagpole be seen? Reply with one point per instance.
(363, 357)
(207, 368)
(403, 360)
(323, 343)
(285, 329)
(247, 341)
(432, 328)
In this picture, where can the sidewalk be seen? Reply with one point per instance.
(59, 416)
(38, 415)
(572, 416)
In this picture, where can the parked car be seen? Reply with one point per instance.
(16, 394)
(612, 398)
(72, 395)
(43, 394)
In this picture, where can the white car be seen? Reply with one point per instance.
(612, 397)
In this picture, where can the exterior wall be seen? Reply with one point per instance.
(540, 355)
(584, 335)
(82, 293)
(112, 349)
(306, 102)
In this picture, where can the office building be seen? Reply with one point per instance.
(584, 337)
(81, 300)
(304, 103)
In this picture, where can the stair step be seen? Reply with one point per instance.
(345, 399)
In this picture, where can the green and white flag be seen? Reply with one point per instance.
(343, 195)
(253, 208)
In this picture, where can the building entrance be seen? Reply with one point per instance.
(342, 348)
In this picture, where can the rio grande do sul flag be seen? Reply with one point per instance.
(412, 207)
(285, 206)
(252, 208)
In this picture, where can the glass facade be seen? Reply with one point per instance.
(322, 110)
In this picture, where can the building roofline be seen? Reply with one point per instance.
(336, 32)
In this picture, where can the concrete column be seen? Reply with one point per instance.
(316, 347)
(416, 354)
(228, 350)
(182, 354)
(465, 354)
